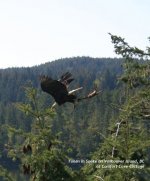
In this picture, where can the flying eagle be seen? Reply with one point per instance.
(58, 89)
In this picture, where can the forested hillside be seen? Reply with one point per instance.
(45, 139)
(88, 72)
(87, 119)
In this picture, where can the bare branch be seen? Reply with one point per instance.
(117, 131)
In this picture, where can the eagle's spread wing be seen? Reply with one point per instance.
(57, 89)
(66, 79)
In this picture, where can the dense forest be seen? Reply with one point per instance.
(75, 142)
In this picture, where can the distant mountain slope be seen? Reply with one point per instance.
(88, 118)
(85, 70)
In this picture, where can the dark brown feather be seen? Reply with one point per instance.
(58, 89)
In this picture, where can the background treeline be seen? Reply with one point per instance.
(87, 131)
(86, 119)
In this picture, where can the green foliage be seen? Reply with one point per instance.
(5, 175)
(128, 138)
(87, 119)
(41, 138)
(38, 150)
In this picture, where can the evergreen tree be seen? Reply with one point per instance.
(38, 150)
(124, 154)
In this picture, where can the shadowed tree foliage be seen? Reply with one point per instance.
(38, 150)
(128, 139)
(85, 120)
(115, 123)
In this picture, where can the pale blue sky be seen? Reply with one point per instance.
(37, 31)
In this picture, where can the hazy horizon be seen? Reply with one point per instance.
(58, 60)
(34, 32)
